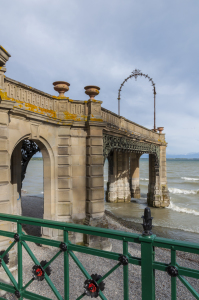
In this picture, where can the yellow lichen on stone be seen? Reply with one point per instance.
(40, 110)
(96, 120)
(4, 50)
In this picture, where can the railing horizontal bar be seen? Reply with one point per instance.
(189, 287)
(188, 272)
(109, 233)
(160, 266)
(9, 274)
(32, 296)
(7, 233)
(176, 245)
(134, 260)
(92, 251)
(38, 240)
(7, 287)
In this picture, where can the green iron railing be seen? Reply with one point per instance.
(94, 285)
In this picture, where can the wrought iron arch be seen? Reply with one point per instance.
(135, 74)
(28, 149)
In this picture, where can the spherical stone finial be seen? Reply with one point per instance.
(92, 91)
(160, 129)
(61, 87)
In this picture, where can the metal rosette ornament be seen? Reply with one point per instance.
(92, 288)
(39, 272)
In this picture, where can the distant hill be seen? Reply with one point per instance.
(187, 156)
(178, 156)
(37, 158)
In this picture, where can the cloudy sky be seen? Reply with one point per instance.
(101, 42)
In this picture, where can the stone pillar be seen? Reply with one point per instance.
(127, 193)
(16, 181)
(118, 185)
(95, 177)
(158, 195)
(134, 175)
(64, 188)
(8, 205)
(163, 177)
(111, 194)
(123, 188)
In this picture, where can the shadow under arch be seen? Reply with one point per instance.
(48, 180)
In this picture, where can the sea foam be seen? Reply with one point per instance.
(190, 179)
(181, 191)
(144, 179)
(183, 209)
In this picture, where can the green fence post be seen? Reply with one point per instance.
(148, 273)
(125, 272)
(66, 268)
(20, 262)
(173, 279)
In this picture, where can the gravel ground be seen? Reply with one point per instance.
(114, 283)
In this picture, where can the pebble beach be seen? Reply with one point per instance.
(114, 283)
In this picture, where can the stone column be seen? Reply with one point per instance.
(163, 177)
(64, 188)
(127, 193)
(123, 188)
(111, 194)
(7, 204)
(118, 185)
(94, 176)
(134, 175)
(158, 195)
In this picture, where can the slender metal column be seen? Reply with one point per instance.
(66, 268)
(20, 262)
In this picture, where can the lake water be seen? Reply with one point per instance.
(179, 221)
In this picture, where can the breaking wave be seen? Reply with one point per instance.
(190, 179)
(181, 191)
(183, 209)
(144, 179)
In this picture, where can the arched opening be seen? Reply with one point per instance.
(32, 195)
(144, 176)
(25, 173)
(106, 174)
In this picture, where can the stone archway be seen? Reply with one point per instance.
(19, 163)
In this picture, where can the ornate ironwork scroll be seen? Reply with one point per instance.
(28, 149)
(124, 144)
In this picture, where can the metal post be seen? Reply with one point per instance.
(118, 106)
(125, 272)
(173, 279)
(20, 262)
(66, 268)
(148, 273)
(154, 108)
